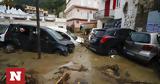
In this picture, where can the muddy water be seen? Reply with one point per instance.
(90, 60)
(93, 62)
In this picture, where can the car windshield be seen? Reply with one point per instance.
(72, 35)
(55, 34)
(3, 28)
(140, 37)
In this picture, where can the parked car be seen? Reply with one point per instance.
(92, 32)
(3, 30)
(143, 46)
(68, 35)
(20, 36)
(106, 41)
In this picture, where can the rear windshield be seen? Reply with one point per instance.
(110, 32)
(140, 37)
(3, 28)
(99, 33)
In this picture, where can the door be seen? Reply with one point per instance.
(48, 43)
(23, 36)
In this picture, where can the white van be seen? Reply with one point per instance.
(67, 34)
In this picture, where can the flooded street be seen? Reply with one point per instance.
(46, 67)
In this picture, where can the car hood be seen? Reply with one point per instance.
(80, 40)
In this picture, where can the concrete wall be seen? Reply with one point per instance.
(59, 23)
(128, 19)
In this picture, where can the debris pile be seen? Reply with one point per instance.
(65, 71)
(116, 75)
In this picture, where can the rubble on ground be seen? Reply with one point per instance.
(114, 74)
(65, 71)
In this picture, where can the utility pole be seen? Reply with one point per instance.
(38, 29)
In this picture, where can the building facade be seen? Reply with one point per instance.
(109, 13)
(133, 14)
(80, 12)
(32, 10)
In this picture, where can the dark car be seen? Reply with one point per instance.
(105, 41)
(143, 46)
(20, 36)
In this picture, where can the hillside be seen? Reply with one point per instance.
(53, 6)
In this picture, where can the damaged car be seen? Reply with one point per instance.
(20, 36)
(143, 46)
(108, 41)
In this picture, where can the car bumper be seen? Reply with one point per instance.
(99, 49)
(145, 56)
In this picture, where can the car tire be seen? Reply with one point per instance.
(70, 50)
(111, 51)
(9, 48)
(65, 53)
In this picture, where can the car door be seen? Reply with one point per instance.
(48, 43)
(24, 37)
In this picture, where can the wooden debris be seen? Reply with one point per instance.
(63, 79)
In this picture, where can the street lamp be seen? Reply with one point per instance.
(38, 29)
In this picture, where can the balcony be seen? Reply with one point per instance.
(101, 14)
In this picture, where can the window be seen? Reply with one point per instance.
(3, 28)
(77, 22)
(55, 34)
(72, 35)
(77, 10)
(64, 35)
(99, 33)
(118, 3)
(111, 32)
(140, 37)
(90, 12)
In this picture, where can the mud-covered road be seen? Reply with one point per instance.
(45, 69)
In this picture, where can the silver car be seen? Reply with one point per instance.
(143, 46)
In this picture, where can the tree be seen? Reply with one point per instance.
(53, 6)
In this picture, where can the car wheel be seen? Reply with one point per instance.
(111, 52)
(65, 53)
(9, 48)
(70, 50)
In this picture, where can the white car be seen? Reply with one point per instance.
(68, 35)
(92, 31)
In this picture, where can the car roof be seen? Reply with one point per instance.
(57, 29)
(148, 32)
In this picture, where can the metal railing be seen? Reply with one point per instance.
(101, 14)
